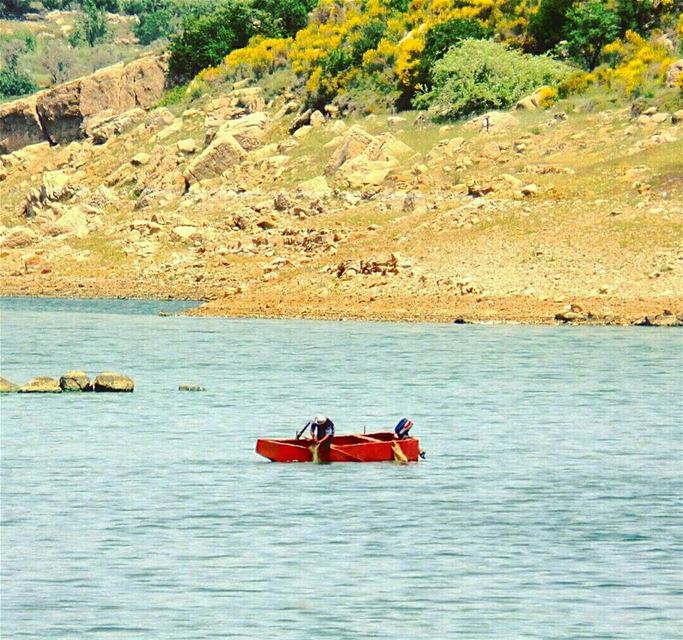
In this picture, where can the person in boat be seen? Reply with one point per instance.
(402, 429)
(322, 429)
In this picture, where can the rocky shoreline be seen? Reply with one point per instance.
(468, 309)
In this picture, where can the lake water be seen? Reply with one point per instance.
(549, 504)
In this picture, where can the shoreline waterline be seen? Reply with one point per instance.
(485, 310)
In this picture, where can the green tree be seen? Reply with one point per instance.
(638, 15)
(12, 81)
(590, 26)
(285, 17)
(154, 25)
(207, 39)
(548, 24)
(91, 27)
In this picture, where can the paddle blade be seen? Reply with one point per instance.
(399, 456)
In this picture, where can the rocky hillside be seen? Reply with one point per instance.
(256, 208)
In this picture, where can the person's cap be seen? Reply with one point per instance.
(320, 419)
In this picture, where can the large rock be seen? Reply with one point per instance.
(19, 125)
(66, 109)
(224, 152)
(362, 172)
(247, 130)
(314, 188)
(494, 122)
(356, 141)
(75, 381)
(60, 114)
(41, 384)
(109, 381)
(6, 386)
(148, 78)
(104, 126)
(233, 105)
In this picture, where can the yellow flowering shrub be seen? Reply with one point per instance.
(261, 56)
(547, 97)
(638, 62)
(577, 83)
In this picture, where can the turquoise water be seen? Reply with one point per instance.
(549, 505)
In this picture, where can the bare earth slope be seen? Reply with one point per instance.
(545, 216)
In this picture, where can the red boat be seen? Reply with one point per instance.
(371, 447)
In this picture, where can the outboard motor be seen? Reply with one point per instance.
(402, 428)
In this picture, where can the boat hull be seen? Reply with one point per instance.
(371, 447)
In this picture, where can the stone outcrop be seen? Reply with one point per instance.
(235, 104)
(75, 381)
(19, 125)
(104, 126)
(7, 386)
(63, 114)
(247, 130)
(41, 384)
(664, 319)
(494, 121)
(109, 381)
(224, 152)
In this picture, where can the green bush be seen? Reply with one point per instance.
(440, 38)
(173, 96)
(207, 39)
(478, 75)
(15, 83)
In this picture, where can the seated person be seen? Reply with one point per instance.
(402, 428)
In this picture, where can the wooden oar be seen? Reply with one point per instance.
(399, 456)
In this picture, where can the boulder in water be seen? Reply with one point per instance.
(75, 381)
(41, 384)
(6, 386)
(191, 387)
(109, 381)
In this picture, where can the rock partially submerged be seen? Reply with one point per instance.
(75, 381)
(7, 386)
(664, 319)
(191, 387)
(41, 384)
(116, 382)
